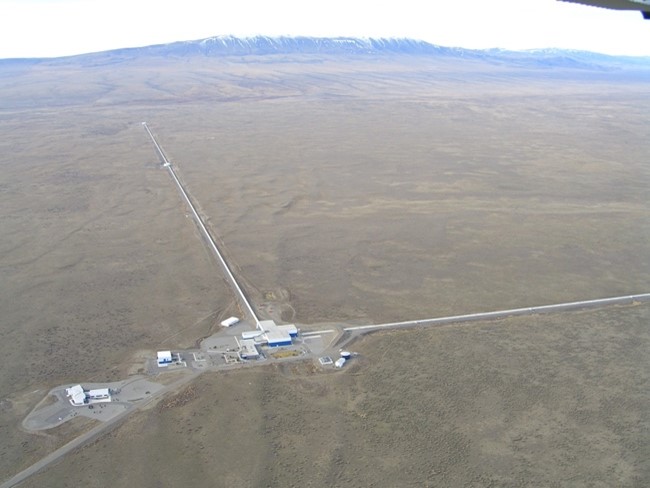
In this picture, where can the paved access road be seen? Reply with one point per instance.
(125, 394)
(95, 432)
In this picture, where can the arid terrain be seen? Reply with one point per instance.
(546, 401)
(359, 190)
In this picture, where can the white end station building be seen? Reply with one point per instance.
(164, 358)
(267, 333)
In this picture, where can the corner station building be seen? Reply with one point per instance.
(277, 335)
(267, 332)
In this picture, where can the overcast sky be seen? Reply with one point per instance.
(34, 28)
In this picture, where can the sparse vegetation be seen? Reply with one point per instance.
(544, 401)
(285, 354)
(361, 190)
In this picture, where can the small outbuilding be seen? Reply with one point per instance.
(248, 349)
(339, 362)
(229, 322)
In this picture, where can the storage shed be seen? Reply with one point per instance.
(229, 322)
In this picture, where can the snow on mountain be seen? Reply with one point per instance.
(262, 45)
(223, 46)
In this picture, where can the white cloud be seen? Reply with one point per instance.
(59, 27)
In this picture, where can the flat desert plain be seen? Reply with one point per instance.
(524, 402)
(355, 191)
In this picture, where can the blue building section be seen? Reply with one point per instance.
(164, 358)
(288, 329)
(277, 335)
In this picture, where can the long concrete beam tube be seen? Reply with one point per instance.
(500, 314)
(231, 278)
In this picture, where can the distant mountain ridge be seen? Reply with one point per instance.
(263, 45)
(224, 46)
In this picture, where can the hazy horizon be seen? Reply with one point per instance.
(363, 38)
(56, 28)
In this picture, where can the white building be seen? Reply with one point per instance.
(278, 335)
(164, 358)
(248, 349)
(251, 334)
(98, 396)
(291, 329)
(277, 338)
(230, 322)
(268, 332)
(76, 394)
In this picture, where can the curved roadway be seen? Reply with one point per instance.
(92, 434)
